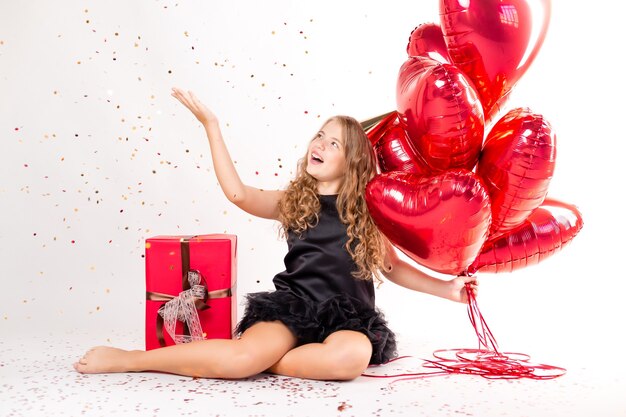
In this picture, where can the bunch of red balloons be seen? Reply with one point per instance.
(451, 199)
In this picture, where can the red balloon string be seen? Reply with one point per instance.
(486, 361)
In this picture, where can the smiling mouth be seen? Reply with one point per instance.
(316, 158)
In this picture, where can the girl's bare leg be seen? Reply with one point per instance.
(344, 355)
(260, 346)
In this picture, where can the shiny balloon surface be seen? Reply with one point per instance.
(494, 42)
(545, 232)
(439, 221)
(441, 112)
(516, 166)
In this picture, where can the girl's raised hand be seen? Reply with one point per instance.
(189, 100)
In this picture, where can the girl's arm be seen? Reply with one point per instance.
(406, 275)
(261, 203)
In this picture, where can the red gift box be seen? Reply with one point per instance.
(168, 262)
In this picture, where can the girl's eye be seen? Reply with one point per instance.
(336, 145)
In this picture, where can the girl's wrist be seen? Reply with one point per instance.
(211, 123)
(449, 290)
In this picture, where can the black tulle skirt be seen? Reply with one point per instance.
(312, 322)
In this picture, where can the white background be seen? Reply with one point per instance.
(95, 156)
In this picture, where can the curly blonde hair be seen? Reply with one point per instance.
(299, 207)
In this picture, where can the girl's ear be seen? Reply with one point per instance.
(391, 257)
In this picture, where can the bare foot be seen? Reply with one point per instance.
(104, 359)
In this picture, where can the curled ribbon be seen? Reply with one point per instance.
(487, 361)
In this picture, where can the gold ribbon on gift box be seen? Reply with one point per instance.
(185, 306)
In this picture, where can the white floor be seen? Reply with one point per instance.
(36, 379)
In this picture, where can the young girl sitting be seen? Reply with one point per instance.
(321, 322)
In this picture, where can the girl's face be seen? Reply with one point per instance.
(326, 160)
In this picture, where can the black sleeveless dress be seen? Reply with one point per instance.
(316, 295)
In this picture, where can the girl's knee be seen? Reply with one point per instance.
(241, 364)
(259, 348)
(351, 367)
(349, 360)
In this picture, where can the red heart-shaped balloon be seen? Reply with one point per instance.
(546, 231)
(440, 222)
(494, 42)
(516, 165)
(427, 40)
(441, 112)
(394, 151)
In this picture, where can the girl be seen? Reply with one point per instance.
(321, 322)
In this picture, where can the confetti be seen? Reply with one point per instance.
(343, 406)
